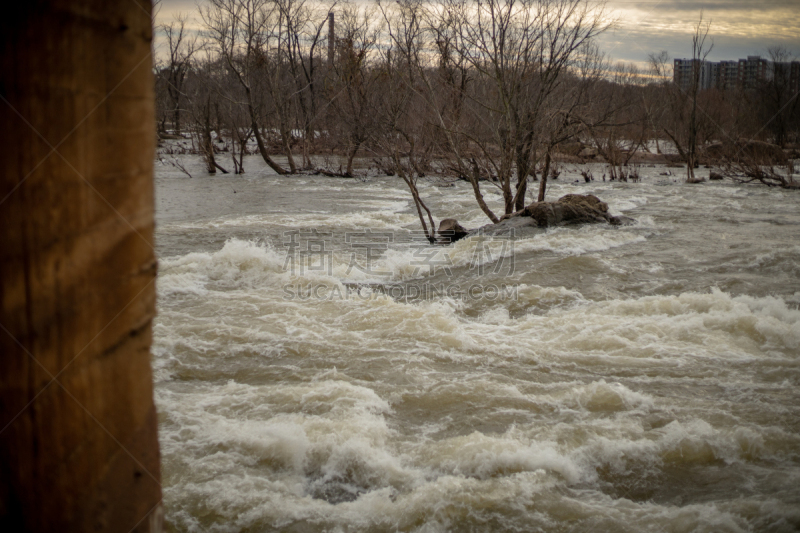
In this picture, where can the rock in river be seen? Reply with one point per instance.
(569, 209)
(451, 231)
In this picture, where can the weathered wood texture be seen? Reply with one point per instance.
(78, 441)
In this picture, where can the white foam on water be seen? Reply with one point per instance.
(254, 463)
(607, 397)
(481, 456)
(390, 217)
(723, 326)
(587, 239)
(257, 261)
(727, 327)
(767, 259)
(629, 203)
(376, 414)
(411, 263)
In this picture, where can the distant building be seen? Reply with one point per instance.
(726, 75)
(788, 73)
(684, 70)
(747, 73)
(753, 71)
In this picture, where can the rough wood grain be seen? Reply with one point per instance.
(78, 441)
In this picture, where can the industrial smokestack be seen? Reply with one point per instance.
(331, 39)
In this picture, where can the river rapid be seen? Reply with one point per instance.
(319, 367)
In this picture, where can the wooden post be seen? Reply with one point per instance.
(78, 427)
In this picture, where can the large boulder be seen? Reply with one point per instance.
(451, 231)
(584, 201)
(569, 209)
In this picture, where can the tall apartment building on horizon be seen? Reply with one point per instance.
(748, 73)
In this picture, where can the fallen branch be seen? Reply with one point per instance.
(747, 170)
(177, 164)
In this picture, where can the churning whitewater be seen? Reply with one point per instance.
(319, 367)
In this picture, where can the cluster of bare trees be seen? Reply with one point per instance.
(744, 131)
(489, 91)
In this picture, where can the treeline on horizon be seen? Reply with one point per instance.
(482, 90)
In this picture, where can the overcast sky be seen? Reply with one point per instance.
(738, 27)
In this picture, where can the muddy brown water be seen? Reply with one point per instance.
(318, 367)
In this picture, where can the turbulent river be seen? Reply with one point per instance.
(319, 367)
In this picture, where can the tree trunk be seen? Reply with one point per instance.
(307, 148)
(206, 145)
(233, 156)
(263, 151)
(543, 182)
(522, 186)
(508, 197)
(350, 158)
(692, 152)
(476, 189)
(430, 234)
(242, 150)
(259, 141)
(287, 149)
(523, 164)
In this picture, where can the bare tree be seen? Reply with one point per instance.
(780, 102)
(399, 132)
(619, 126)
(274, 54)
(747, 166)
(686, 119)
(181, 47)
(238, 29)
(574, 107)
(488, 91)
(304, 25)
(501, 64)
(653, 101)
(353, 83)
(700, 51)
(203, 104)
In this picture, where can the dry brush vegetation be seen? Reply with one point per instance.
(494, 92)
